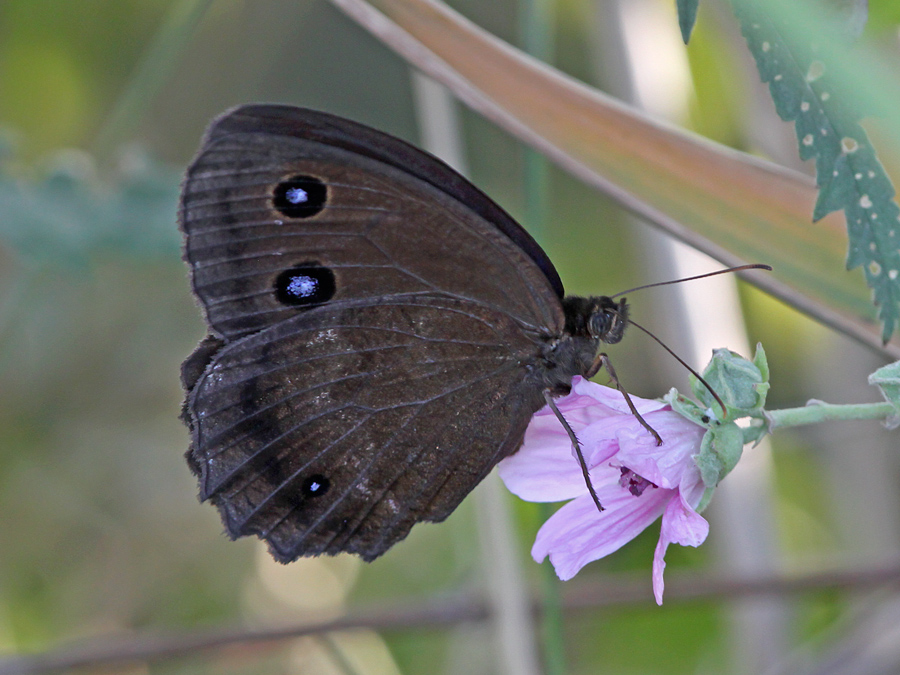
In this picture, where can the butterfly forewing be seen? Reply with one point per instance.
(380, 232)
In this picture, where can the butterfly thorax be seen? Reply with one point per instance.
(589, 322)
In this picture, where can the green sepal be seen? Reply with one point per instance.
(741, 384)
(720, 451)
(705, 499)
(887, 379)
(757, 430)
(687, 408)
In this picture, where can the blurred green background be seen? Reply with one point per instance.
(100, 530)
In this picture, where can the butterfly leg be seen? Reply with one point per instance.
(576, 445)
(602, 361)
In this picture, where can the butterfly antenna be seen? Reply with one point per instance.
(739, 268)
(682, 362)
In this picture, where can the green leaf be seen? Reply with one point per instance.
(687, 17)
(65, 215)
(848, 173)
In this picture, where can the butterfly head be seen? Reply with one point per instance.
(598, 318)
(608, 319)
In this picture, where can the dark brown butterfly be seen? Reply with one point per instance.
(381, 332)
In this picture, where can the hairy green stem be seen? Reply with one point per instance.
(819, 411)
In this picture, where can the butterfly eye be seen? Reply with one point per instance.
(608, 320)
(300, 196)
(600, 323)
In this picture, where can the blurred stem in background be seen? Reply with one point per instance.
(160, 59)
(536, 29)
(514, 645)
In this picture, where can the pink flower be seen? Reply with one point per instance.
(636, 480)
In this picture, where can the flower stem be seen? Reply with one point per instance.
(819, 411)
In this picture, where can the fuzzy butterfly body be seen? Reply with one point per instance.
(381, 332)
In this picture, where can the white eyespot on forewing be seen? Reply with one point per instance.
(296, 195)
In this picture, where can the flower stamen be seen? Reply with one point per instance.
(636, 484)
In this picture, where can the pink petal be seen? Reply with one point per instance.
(612, 398)
(665, 465)
(543, 470)
(597, 439)
(680, 525)
(582, 406)
(542, 480)
(546, 469)
(578, 534)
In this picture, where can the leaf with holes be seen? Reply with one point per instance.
(848, 173)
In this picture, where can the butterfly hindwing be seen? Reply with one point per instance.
(356, 398)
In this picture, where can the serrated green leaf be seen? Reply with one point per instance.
(848, 173)
(687, 17)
